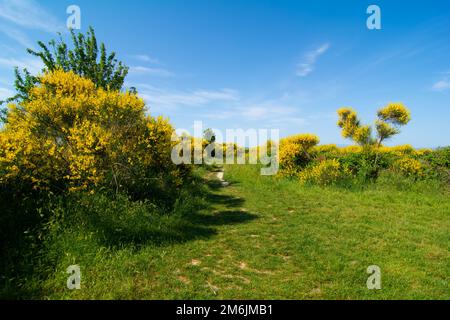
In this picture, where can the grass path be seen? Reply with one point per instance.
(265, 238)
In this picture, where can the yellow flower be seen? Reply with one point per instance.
(409, 167)
(75, 134)
(326, 172)
(294, 150)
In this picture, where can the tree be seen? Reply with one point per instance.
(84, 59)
(390, 118)
(352, 128)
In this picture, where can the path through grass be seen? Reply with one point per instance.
(268, 238)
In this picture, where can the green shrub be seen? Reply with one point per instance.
(324, 173)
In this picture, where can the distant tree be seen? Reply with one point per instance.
(390, 118)
(84, 59)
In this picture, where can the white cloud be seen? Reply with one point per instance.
(159, 72)
(307, 66)
(5, 93)
(144, 58)
(255, 112)
(266, 113)
(221, 95)
(160, 98)
(442, 85)
(29, 14)
(16, 35)
(34, 65)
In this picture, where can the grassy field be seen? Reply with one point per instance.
(265, 238)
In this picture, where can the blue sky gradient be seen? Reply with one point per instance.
(261, 64)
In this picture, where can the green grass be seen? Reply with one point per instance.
(260, 238)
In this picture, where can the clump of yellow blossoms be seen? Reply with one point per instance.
(409, 167)
(390, 118)
(71, 135)
(295, 152)
(352, 128)
(395, 113)
(324, 173)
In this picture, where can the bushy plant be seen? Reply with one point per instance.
(326, 149)
(324, 173)
(439, 158)
(295, 152)
(409, 167)
(71, 135)
(82, 58)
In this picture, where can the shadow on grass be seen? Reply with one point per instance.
(197, 219)
(196, 226)
(225, 200)
(114, 223)
(227, 217)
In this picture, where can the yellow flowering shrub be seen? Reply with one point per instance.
(287, 156)
(294, 152)
(423, 152)
(305, 141)
(324, 173)
(72, 135)
(350, 149)
(326, 148)
(409, 167)
(397, 150)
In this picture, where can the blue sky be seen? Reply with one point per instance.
(261, 64)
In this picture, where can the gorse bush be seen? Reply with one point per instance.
(324, 173)
(295, 152)
(78, 159)
(409, 167)
(360, 165)
(71, 135)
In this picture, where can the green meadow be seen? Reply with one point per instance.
(258, 238)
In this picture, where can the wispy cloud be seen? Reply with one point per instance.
(16, 35)
(33, 65)
(160, 98)
(307, 65)
(266, 111)
(270, 113)
(159, 72)
(441, 85)
(144, 58)
(5, 93)
(29, 14)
